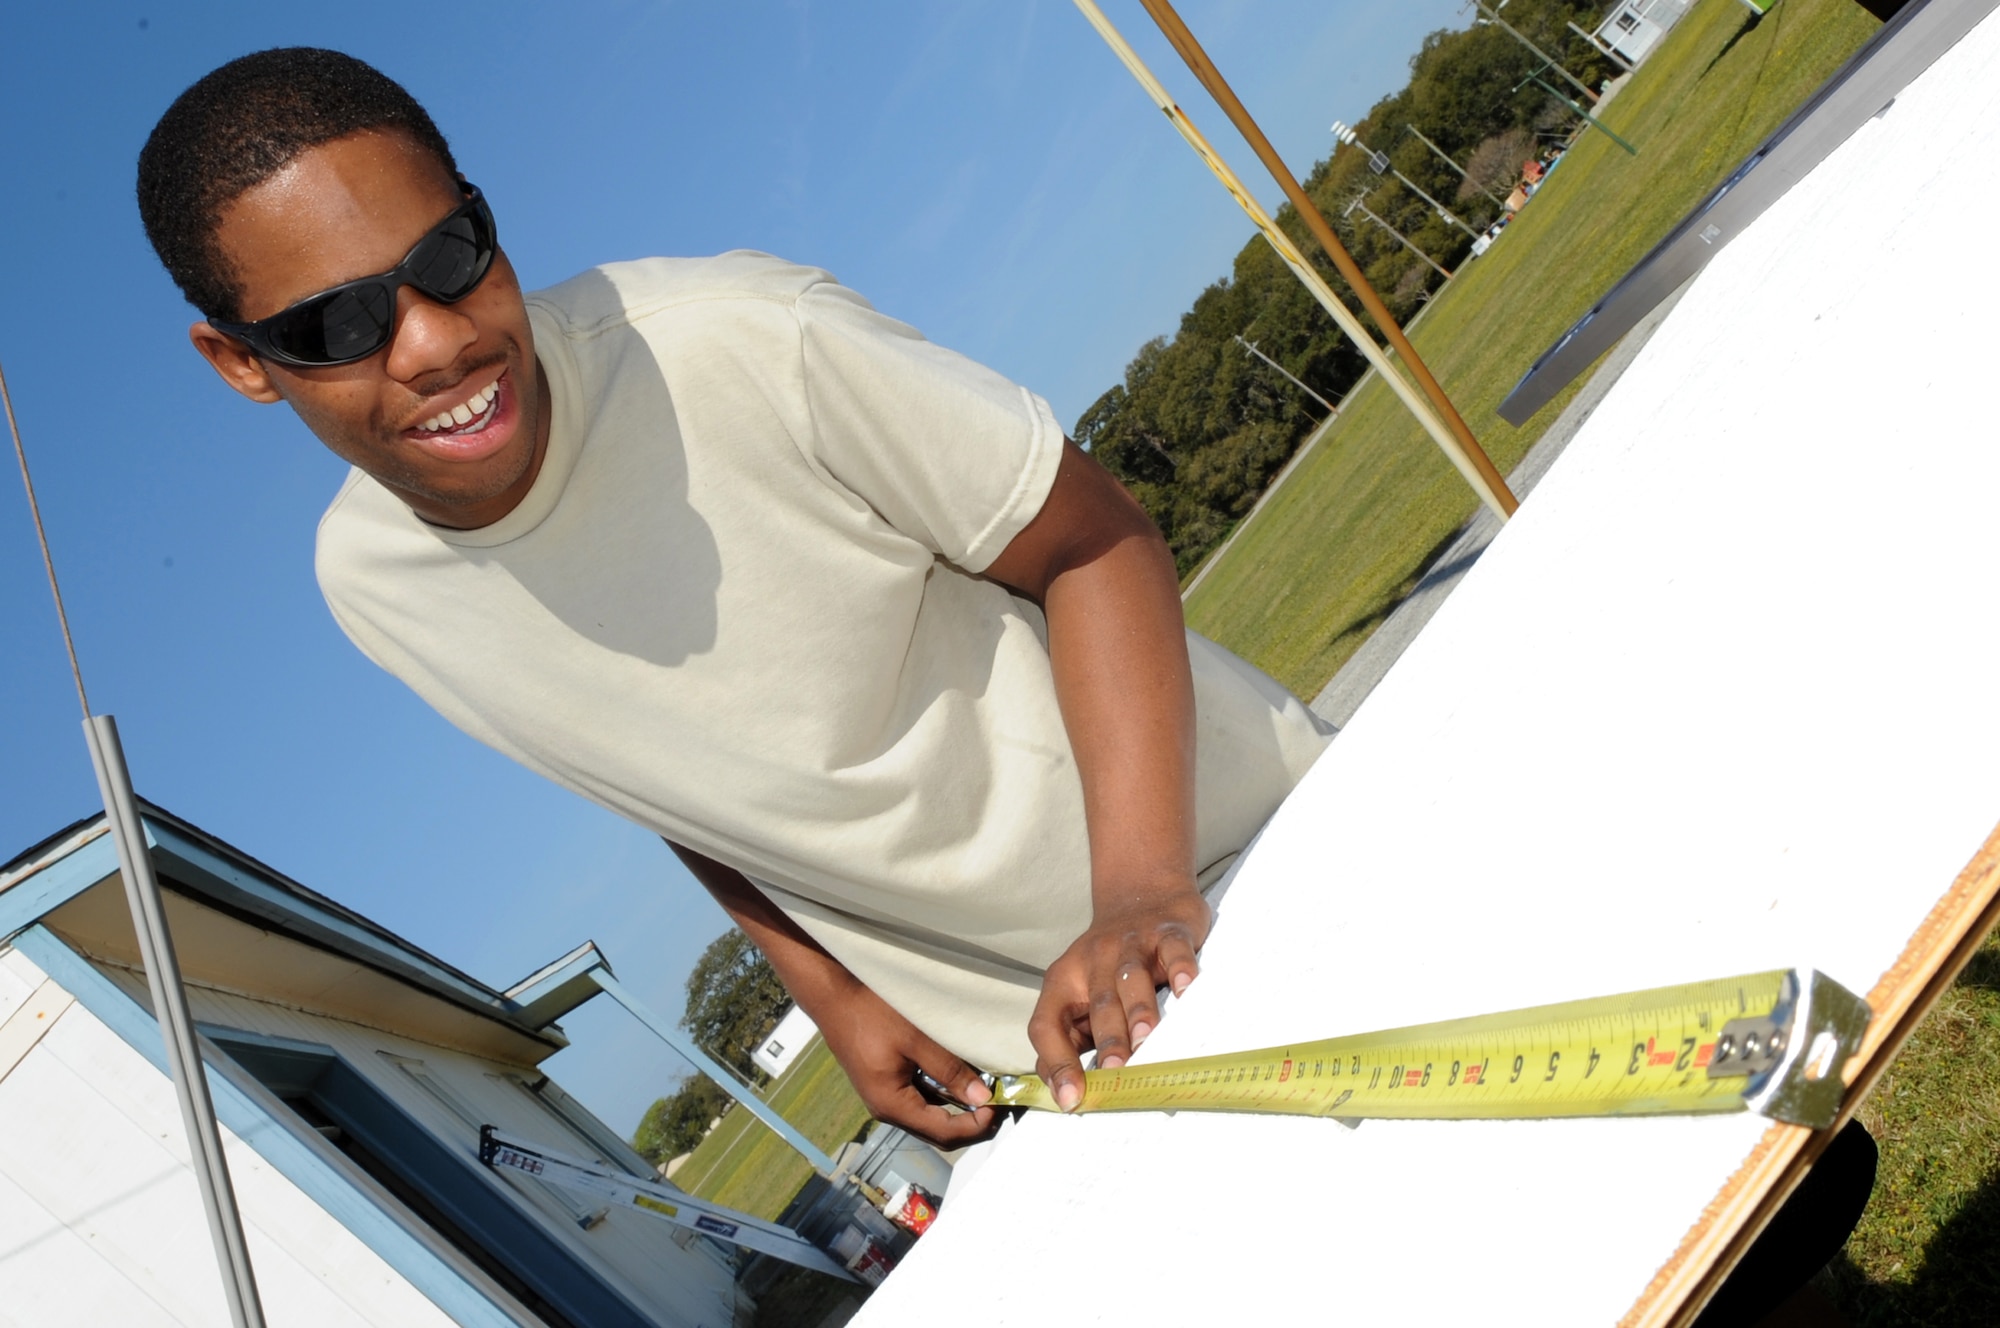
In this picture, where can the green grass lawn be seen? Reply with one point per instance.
(1346, 538)
(1928, 1250)
(749, 1168)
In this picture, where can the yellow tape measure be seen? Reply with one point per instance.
(1768, 1042)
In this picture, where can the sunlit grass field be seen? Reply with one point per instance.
(1340, 544)
(749, 1168)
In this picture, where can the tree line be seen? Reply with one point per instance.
(1198, 426)
(734, 1000)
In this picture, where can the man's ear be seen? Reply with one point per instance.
(236, 362)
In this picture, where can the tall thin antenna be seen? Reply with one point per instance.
(42, 536)
(156, 950)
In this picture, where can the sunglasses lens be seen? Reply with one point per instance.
(347, 324)
(357, 321)
(447, 264)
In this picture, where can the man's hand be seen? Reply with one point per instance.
(879, 1049)
(1100, 992)
(882, 1051)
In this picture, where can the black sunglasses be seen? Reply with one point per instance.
(356, 318)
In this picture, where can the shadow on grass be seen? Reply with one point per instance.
(1431, 572)
(1983, 971)
(1749, 25)
(1958, 1283)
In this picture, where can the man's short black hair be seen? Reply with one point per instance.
(239, 126)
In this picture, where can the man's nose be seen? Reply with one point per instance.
(429, 336)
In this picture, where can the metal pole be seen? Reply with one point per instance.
(1446, 159)
(1357, 203)
(1426, 400)
(690, 1051)
(1442, 211)
(1540, 54)
(1251, 346)
(163, 977)
(1536, 79)
(156, 950)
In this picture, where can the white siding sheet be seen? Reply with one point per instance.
(101, 1221)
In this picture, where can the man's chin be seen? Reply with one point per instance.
(463, 506)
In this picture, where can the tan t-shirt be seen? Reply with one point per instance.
(740, 606)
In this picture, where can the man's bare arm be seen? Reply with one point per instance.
(878, 1048)
(1105, 579)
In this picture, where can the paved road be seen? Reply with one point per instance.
(1350, 687)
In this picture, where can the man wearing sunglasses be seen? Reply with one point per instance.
(841, 615)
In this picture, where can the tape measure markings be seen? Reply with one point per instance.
(1699, 1048)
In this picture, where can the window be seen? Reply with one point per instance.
(436, 1181)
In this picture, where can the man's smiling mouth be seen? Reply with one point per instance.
(469, 416)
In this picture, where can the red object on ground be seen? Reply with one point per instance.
(912, 1208)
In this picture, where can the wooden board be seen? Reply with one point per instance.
(1932, 960)
(1721, 699)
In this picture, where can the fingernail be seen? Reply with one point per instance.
(1139, 1032)
(975, 1093)
(1181, 981)
(1068, 1095)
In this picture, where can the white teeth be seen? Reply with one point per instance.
(463, 414)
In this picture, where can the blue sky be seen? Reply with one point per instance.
(983, 169)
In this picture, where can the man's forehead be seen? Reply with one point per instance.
(343, 209)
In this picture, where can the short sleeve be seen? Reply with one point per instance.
(945, 450)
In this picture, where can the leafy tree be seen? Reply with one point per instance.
(674, 1125)
(734, 1000)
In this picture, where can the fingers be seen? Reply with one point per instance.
(906, 1107)
(1057, 1035)
(950, 1082)
(907, 1110)
(1102, 993)
(903, 1104)
(1177, 962)
(1122, 1011)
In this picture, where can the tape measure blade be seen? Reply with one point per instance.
(1638, 1053)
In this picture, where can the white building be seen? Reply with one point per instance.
(351, 1073)
(1634, 27)
(794, 1033)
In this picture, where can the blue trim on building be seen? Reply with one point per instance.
(552, 991)
(254, 1123)
(32, 898)
(194, 864)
